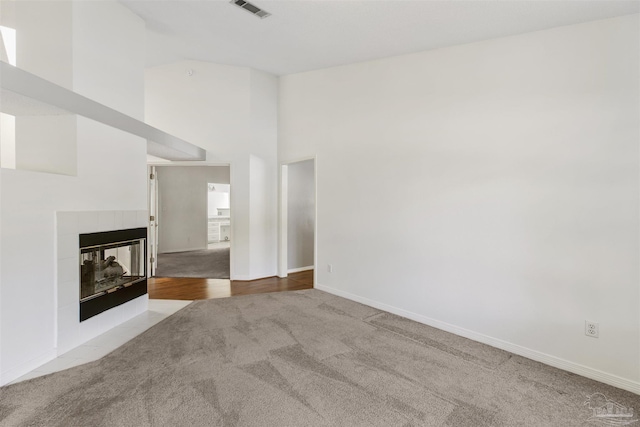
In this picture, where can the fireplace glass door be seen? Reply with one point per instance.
(109, 267)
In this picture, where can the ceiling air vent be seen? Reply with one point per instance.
(255, 10)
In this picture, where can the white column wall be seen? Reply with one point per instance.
(263, 174)
(232, 113)
(111, 171)
(490, 189)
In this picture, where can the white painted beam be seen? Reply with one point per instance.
(17, 83)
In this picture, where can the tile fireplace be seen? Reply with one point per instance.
(70, 225)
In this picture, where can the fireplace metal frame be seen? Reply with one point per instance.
(107, 300)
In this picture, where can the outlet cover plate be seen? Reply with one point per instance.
(591, 329)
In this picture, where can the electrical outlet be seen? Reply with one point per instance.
(329, 268)
(591, 329)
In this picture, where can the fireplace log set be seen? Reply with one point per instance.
(101, 275)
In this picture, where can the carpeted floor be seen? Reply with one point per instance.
(302, 358)
(206, 263)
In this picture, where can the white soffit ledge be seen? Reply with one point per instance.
(24, 93)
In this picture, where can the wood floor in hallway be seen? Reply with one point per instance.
(194, 289)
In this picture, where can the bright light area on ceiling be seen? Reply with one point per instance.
(9, 42)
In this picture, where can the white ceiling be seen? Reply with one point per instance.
(308, 35)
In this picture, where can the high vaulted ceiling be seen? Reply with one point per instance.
(307, 35)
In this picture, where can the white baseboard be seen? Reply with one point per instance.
(242, 277)
(26, 367)
(556, 362)
(299, 269)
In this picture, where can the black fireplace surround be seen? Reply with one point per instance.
(113, 269)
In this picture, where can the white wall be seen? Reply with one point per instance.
(7, 141)
(44, 36)
(1, 275)
(509, 170)
(111, 165)
(47, 143)
(232, 113)
(263, 174)
(183, 205)
(300, 214)
(108, 55)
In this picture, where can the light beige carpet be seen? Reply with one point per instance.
(303, 358)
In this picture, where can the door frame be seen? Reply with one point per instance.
(152, 231)
(153, 165)
(283, 268)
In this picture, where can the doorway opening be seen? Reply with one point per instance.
(192, 222)
(218, 215)
(297, 255)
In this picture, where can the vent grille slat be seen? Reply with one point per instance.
(251, 8)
